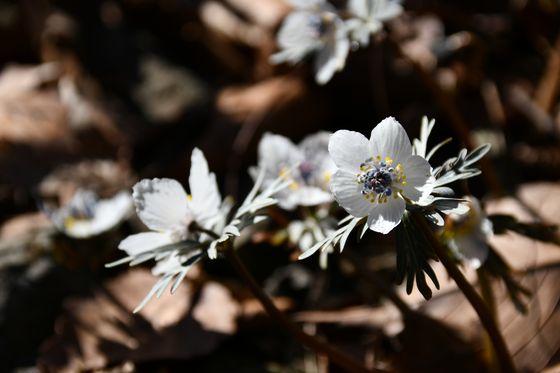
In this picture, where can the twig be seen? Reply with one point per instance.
(309, 341)
(472, 296)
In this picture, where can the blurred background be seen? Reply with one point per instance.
(99, 94)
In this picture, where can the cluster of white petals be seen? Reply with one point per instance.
(168, 211)
(316, 27)
(86, 215)
(307, 166)
(377, 177)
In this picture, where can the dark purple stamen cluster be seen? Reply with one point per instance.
(306, 170)
(378, 180)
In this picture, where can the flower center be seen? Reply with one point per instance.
(380, 180)
(320, 25)
(306, 170)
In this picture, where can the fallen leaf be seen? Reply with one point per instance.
(101, 331)
(533, 338)
(104, 177)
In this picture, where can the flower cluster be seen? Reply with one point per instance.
(307, 166)
(316, 27)
(185, 228)
(379, 181)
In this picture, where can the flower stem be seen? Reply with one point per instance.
(309, 341)
(484, 314)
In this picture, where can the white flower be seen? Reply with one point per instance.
(312, 173)
(314, 27)
(469, 234)
(370, 15)
(87, 216)
(165, 208)
(377, 177)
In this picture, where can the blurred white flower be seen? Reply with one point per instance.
(86, 215)
(377, 177)
(166, 209)
(369, 16)
(307, 233)
(313, 27)
(307, 165)
(469, 233)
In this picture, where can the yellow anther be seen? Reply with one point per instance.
(69, 222)
(284, 173)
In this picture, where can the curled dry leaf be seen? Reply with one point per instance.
(276, 99)
(101, 331)
(241, 102)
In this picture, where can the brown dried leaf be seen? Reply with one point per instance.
(105, 177)
(266, 13)
(100, 331)
(532, 338)
(242, 102)
(24, 224)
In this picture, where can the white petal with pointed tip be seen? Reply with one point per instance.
(389, 139)
(142, 242)
(206, 198)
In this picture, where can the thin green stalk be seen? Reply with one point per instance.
(318, 346)
(484, 314)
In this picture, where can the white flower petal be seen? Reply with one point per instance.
(359, 8)
(359, 31)
(347, 192)
(348, 149)
(206, 198)
(295, 39)
(418, 173)
(107, 214)
(386, 216)
(332, 56)
(326, 64)
(311, 196)
(389, 139)
(139, 243)
(387, 10)
(170, 265)
(276, 154)
(472, 248)
(161, 204)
